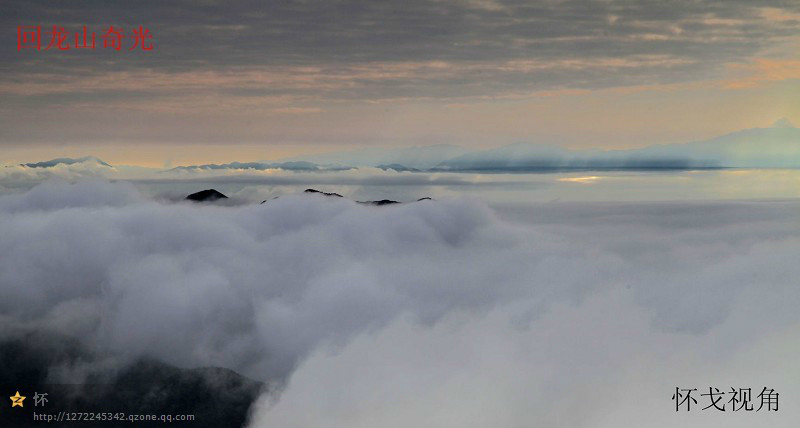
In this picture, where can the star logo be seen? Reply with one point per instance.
(16, 400)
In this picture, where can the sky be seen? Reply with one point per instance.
(249, 80)
(485, 306)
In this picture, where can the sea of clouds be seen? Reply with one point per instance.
(443, 313)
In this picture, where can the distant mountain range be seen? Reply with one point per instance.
(775, 147)
(262, 166)
(420, 158)
(65, 161)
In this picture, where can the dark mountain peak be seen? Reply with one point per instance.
(322, 193)
(379, 203)
(208, 195)
(375, 203)
(265, 200)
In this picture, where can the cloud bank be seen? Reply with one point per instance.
(441, 49)
(355, 73)
(437, 313)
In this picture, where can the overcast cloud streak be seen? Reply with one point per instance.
(385, 49)
(386, 72)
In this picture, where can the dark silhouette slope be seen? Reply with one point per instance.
(217, 397)
(208, 195)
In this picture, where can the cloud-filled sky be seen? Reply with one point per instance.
(261, 80)
(450, 312)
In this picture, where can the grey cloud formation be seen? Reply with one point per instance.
(694, 312)
(417, 48)
(21, 177)
(414, 309)
(356, 73)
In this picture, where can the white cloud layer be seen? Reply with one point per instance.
(437, 313)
